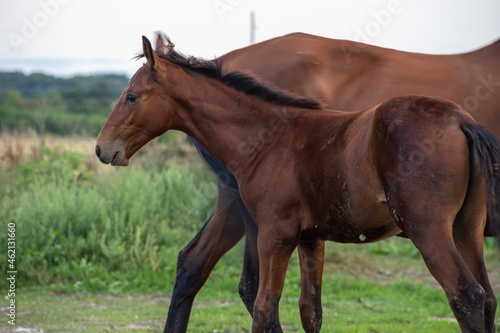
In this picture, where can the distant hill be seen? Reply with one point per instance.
(44, 103)
(30, 85)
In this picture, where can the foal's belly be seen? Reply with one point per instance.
(362, 224)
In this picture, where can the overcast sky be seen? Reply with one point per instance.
(65, 37)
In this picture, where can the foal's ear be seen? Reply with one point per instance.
(148, 51)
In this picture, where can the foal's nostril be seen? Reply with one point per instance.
(98, 151)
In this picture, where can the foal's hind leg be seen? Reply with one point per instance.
(469, 238)
(431, 223)
(441, 237)
(432, 198)
(465, 294)
(473, 255)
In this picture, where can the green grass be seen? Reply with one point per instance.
(351, 304)
(362, 292)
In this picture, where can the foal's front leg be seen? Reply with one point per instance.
(275, 249)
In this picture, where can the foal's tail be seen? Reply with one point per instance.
(484, 148)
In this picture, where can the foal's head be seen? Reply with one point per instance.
(143, 112)
(151, 102)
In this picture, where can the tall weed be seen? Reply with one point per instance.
(74, 225)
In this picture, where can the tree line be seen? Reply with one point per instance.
(63, 106)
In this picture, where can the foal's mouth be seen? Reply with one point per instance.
(115, 159)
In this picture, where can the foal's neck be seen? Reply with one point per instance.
(233, 126)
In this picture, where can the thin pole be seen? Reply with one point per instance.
(252, 27)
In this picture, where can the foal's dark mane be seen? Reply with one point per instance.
(239, 80)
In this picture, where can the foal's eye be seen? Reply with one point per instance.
(131, 98)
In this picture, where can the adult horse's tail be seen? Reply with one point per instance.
(484, 149)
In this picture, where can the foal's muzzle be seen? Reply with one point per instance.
(113, 157)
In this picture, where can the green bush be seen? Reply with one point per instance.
(52, 166)
(73, 225)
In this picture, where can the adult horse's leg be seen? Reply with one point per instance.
(249, 282)
(311, 256)
(231, 212)
(197, 260)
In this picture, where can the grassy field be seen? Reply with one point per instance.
(362, 292)
(96, 250)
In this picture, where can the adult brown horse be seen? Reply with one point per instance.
(416, 165)
(344, 75)
(347, 75)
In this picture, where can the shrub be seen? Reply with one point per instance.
(74, 225)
